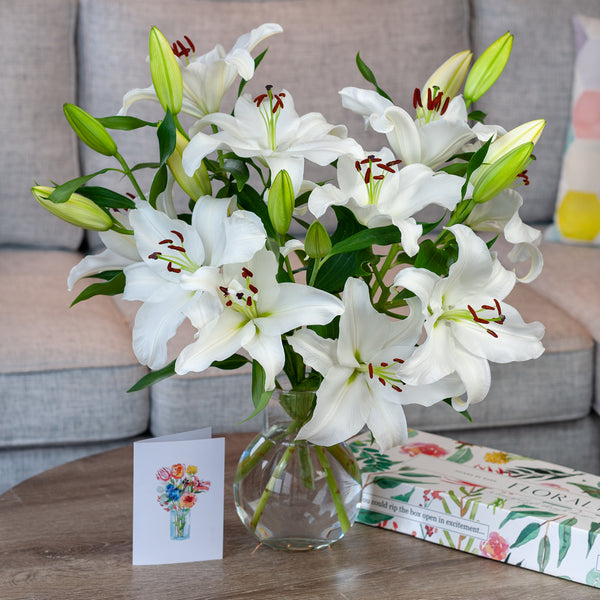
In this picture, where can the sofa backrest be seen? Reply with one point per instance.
(38, 75)
(403, 41)
(536, 83)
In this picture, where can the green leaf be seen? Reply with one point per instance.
(404, 497)
(464, 413)
(106, 198)
(520, 514)
(111, 287)
(260, 397)
(474, 163)
(370, 517)
(366, 72)
(564, 535)
(125, 123)
(477, 115)
(167, 137)
(366, 238)
(528, 533)
(462, 455)
(250, 199)
(238, 169)
(592, 535)
(594, 492)
(154, 377)
(543, 556)
(63, 192)
(235, 361)
(159, 184)
(436, 260)
(387, 482)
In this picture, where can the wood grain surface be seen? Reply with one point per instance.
(67, 534)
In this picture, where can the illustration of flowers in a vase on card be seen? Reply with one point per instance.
(177, 494)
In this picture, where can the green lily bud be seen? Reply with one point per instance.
(487, 68)
(500, 174)
(317, 243)
(527, 132)
(280, 202)
(89, 130)
(166, 76)
(77, 210)
(449, 76)
(195, 186)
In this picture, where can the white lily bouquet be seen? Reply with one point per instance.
(381, 311)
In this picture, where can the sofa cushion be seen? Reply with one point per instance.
(514, 99)
(37, 77)
(577, 217)
(63, 372)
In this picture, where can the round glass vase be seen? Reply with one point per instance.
(291, 494)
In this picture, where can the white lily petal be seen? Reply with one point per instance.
(137, 94)
(215, 341)
(404, 136)
(341, 410)
(323, 197)
(91, 265)
(241, 60)
(387, 423)
(268, 351)
(318, 353)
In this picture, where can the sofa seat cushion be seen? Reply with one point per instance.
(64, 371)
(558, 386)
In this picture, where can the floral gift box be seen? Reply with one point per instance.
(509, 508)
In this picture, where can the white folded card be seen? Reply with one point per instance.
(178, 498)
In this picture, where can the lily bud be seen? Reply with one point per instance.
(280, 203)
(487, 68)
(523, 134)
(199, 183)
(166, 76)
(89, 130)
(449, 76)
(77, 210)
(317, 243)
(500, 174)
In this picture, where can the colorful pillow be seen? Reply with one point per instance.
(577, 214)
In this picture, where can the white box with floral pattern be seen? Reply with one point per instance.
(509, 508)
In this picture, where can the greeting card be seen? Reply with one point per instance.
(178, 498)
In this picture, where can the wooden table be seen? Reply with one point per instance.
(67, 534)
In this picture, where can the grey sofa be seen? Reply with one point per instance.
(64, 372)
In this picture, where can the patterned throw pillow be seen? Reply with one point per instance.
(577, 214)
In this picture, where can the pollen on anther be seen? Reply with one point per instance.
(173, 269)
(398, 360)
(178, 248)
(187, 39)
(371, 370)
(492, 333)
(384, 364)
(154, 255)
(253, 289)
(166, 241)
(247, 273)
(395, 387)
(178, 234)
(224, 290)
(381, 381)
(417, 98)
(249, 301)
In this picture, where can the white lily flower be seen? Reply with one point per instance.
(255, 312)
(269, 128)
(466, 322)
(361, 382)
(170, 249)
(430, 141)
(120, 252)
(206, 78)
(379, 194)
(501, 214)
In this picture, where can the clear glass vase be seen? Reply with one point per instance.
(294, 495)
(180, 524)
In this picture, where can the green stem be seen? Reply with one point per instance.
(334, 489)
(277, 472)
(130, 176)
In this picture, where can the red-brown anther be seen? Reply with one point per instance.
(368, 175)
(371, 370)
(173, 269)
(278, 103)
(129, 195)
(180, 50)
(224, 290)
(379, 177)
(417, 98)
(381, 381)
(498, 306)
(395, 387)
(429, 99)
(487, 307)
(357, 165)
(187, 39)
(445, 107)
(178, 248)
(259, 99)
(253, 289)
(492, 333)
(384, 364)
(167, 241)
(398, 360)
(476, 318)
(386, 167)
(228, 303)
(247, 273)
(154, 255)
(249, 301)
(524, 177)
(178, 234)
(393, 163)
